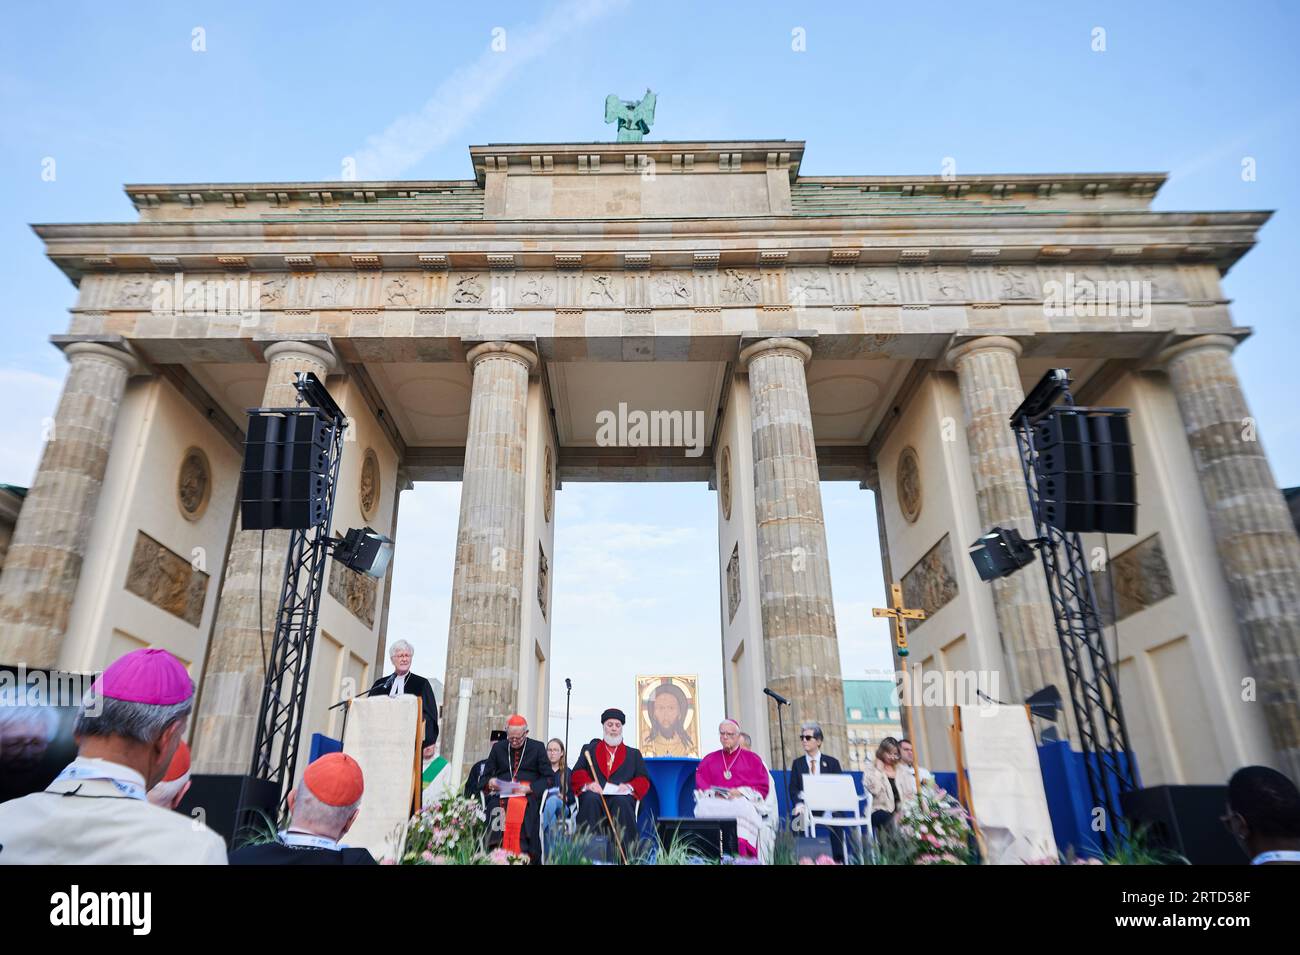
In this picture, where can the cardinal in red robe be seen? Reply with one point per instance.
(615, 770)
(518, 773)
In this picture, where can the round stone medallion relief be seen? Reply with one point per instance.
(368, 493)
(548, 483)
(194, 484)
(909, 484)
(724, 482)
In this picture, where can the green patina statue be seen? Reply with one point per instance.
(634, 118)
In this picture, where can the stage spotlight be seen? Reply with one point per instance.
(364, 550)
(315, 395)
(1045, 703)
(1000, 553)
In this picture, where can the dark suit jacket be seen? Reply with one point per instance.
(828, 764)
(474, 782)
(276, 853)
(416, 685)
(534, 766)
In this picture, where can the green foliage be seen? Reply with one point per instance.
(783, 849)
(1139, 850)
(569, 849)
(259, 831)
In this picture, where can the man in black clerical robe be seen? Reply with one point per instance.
(613, 764)
(514, 822)
(403, 681)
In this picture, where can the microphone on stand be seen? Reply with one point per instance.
(780, 723)
(568, 695)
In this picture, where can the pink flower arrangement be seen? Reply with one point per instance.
(934, 830)
(448, 832)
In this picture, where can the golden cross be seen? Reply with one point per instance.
(898, 613)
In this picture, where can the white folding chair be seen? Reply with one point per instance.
(826, 794)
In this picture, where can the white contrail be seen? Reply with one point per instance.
(459, 97)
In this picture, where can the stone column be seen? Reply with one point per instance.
(486, 597)
(989, 379)
(45, 556)
(800, 650)
(1256, 541)
(225, 724)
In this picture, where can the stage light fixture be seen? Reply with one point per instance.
(1000, 553)
(364, 550)
(314, 394)
(1045, 703)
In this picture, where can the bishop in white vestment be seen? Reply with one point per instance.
(96, 812)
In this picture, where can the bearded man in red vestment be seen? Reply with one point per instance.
(616, 770)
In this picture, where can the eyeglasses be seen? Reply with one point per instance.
(805, 738)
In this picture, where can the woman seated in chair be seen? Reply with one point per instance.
(556, 802)
(889, 788)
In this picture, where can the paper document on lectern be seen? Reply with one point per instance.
(1006, 783)
(383, 736)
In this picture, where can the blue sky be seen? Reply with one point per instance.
(114, 93)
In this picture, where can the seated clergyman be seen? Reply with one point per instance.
(732, 783)
(96, 811)
(611, 768)
(321, 811)
(517, 774)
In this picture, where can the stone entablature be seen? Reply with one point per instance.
(903, 310)
(605, 164)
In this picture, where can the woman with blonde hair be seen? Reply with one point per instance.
(888, 787)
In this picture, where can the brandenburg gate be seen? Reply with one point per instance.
(877, 329)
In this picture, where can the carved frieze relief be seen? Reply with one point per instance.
(774, 284)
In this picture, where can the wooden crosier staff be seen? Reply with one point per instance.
(898, 613)
(613, 829)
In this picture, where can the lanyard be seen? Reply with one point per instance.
(305, 840)
(1278, 855)
(127, 788)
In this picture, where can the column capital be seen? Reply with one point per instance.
(75, 350)
(985, 343)
(520, 353)
(791, 345)
(1224, 343)
(302, 350)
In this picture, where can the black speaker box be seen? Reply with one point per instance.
(217, 800)
(285, 474)
(1185, 820)
(1085, 472)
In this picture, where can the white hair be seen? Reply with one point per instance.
(310, 812)
(168, 791)
(812, 726)
(398, 647)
